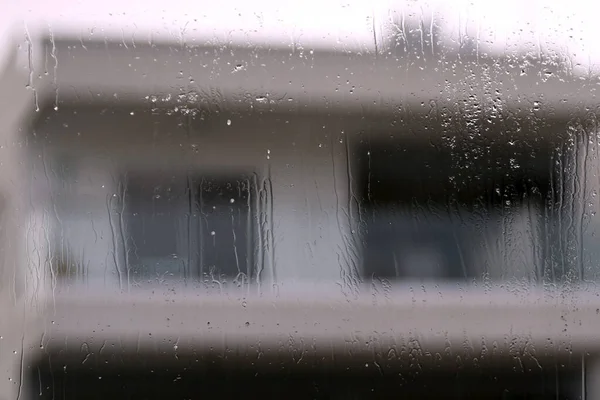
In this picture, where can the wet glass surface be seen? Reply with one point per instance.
(333, 179)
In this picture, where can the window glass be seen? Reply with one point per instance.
(316, 199)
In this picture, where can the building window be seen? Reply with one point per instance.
(426, 207)
(226, 230)
(184, 226)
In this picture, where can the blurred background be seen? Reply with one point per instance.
(318, 199)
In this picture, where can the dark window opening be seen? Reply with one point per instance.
(423, 203)
(227, 229)
(155, 204)
(186, 226)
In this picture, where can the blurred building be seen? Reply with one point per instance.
(231, 181)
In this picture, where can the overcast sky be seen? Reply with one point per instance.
(566, 26)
